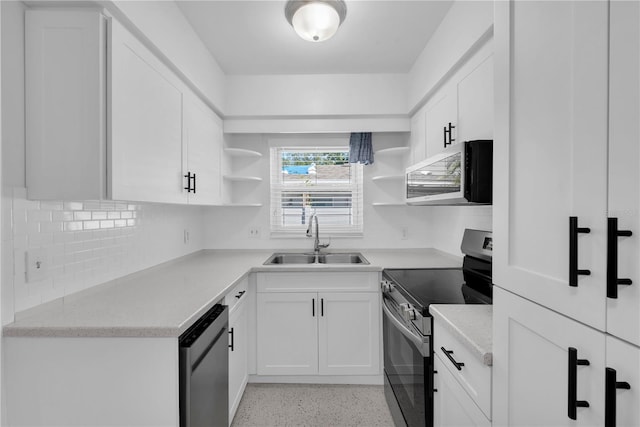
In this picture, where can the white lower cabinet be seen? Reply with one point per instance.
(238, 355)
(287, 333)
(622, 384)
(310, 332)
(535, 381)
(348, 341)
(452, 406)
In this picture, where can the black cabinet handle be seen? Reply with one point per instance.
(610, 387)
(573, 402)
(188, 187)
(240, 294)
(313, 307)
(231, 334)
(449, 353)
(612, 257)
(574, 271)
(447, 131)
(322, 307)
(194, 183)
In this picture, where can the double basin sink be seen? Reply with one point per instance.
(329, 258)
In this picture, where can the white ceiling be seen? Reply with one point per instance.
(253, 36)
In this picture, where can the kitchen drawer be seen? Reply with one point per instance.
(474, 376)
(237, 293)
(311, 281)
(452, 405)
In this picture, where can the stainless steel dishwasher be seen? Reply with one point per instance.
(204, 362)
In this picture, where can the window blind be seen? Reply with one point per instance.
(316, 181)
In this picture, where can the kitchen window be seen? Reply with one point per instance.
(319, 181)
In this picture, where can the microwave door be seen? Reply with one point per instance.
(440, 179)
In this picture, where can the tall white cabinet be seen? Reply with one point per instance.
(566, 155)
(107, 119)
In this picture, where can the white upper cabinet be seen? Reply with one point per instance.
(441, 119)
(65, 93)
(460, 109)
(146, 124)
(550, 154)
(475, 103)
(623, 302)
(203, 146)
(106, 118)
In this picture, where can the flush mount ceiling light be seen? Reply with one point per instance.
(315, 20)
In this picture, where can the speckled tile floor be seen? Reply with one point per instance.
(312, 405)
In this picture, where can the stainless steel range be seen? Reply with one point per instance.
(407, 324)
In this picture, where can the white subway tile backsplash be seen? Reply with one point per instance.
(87, 242)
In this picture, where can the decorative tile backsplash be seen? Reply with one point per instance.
(84, 243)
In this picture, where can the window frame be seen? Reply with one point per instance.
(278, 187)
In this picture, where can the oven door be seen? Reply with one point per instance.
(408, 368)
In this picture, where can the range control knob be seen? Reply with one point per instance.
(387, 286)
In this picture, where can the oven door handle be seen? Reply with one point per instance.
(402, 327)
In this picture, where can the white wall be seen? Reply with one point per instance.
(466, 24)
(228, 227)
(166, 27)
(89, 242)
(316, 95)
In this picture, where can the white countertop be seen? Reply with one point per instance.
(471, 324)
(163, 301)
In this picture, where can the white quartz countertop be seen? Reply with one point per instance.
(163, 301)
(471, 324)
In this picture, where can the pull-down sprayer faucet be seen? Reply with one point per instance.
(316, 243)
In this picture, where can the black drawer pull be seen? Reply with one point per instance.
(612, 257)
(574, 271)
(240, 294)
(572, 399)
(449, 353)
(610, 387)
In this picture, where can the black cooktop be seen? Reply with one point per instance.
(439, 286)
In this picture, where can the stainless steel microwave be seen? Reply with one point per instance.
(461, 174)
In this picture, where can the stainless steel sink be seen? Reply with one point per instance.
(291, 259)
(330, 258)
(342, 258)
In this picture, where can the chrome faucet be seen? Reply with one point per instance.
(316, 243)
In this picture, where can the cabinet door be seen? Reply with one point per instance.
(531, 366)
(238, 352)
(287, 333)
(624, 360)
(439, 113)
(417, 142)
(550, 152)
(349, 333)
(623, 312)
(145, 143)
(203, 146)
(65, 86)
(475, 103)
(452, 406)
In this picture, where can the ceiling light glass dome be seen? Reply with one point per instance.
(315, 20)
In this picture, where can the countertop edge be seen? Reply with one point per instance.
(21, 327)
(483, 354)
